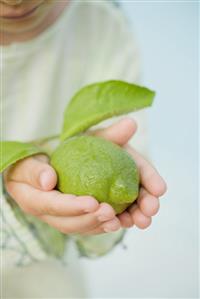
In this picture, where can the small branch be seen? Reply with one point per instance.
(46, 139)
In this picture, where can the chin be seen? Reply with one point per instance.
(29, 23)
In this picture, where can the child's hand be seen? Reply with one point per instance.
(31, 182)
(152, 185)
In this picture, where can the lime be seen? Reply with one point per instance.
(88, 165)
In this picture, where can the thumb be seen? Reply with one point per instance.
(34, 171)
(120, 132)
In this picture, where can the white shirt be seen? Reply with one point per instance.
(90, 42)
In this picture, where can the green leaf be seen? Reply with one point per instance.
(13, 151)
(97, 102)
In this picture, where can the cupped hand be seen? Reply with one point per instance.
(152, 185)
(31, 184)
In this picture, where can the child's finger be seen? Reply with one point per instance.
(109, 226)
(149, 176)
(83, 223)
(148, 204)
(125, 219)
(139, 219)
(120, 132)
(34, 172)
(36, 202)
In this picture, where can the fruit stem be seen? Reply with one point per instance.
(41, 141)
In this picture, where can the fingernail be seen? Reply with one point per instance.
(112, 226)
(44, 178)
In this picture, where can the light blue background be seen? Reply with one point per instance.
(162, 261)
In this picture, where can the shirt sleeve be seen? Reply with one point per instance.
(26, 239)
(17, 241)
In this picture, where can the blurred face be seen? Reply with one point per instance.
(22, 16)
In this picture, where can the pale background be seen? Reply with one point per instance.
(161, 262)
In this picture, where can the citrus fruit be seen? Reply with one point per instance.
(88, 165)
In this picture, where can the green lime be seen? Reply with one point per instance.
(88, 165)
